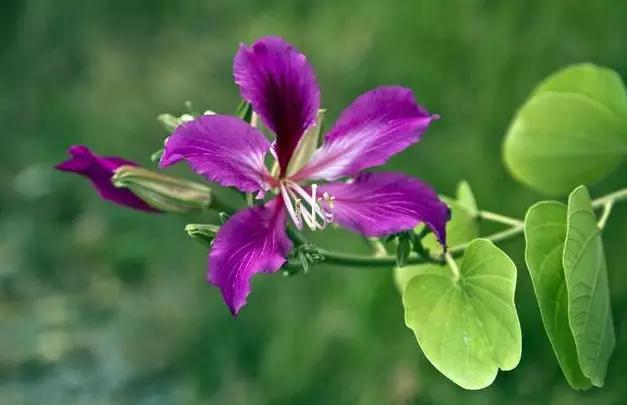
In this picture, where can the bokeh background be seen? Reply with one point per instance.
(103, 305)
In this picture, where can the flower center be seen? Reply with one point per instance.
(315, 211)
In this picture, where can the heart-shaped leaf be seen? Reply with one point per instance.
(585, 269)
(467, 325)
(571, 131)
(545, 233)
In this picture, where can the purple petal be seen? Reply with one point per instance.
(250, 242)
(281, 85)
(223, 149)
(379, 124)
(378, 204)
(99, 169)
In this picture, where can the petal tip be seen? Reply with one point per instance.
(80, 159)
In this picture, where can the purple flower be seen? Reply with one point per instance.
(282, 88)
(100, 169)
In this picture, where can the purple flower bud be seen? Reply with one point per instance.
(100, 169)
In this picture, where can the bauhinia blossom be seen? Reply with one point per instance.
(100, 170)
(281, 86)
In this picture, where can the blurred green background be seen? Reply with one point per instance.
(102, 305)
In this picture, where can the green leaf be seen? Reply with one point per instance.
(545, 233)
(596, 82)
(585, 270)
(571, 131)
(468, 328)
(466, 198)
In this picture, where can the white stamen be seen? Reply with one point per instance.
(320, 212)
(308, 199)
(314, 187)
(290, 209)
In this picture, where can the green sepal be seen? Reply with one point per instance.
(245, 111)
(166, 193)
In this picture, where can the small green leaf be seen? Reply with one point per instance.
(585, 270)
(545, 233)
(466, 198)
(467, 328)
(571, 131)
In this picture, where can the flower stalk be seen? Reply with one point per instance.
(502, 219)
(516, 228)
(607, 210)
(453, 266)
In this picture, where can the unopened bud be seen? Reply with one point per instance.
(170, 122)
(165, 193)
(302, 257)
(203, 233)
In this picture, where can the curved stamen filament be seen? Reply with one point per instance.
(316, 212)
(290, 208)
(310, 220)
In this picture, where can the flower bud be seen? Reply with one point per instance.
(302, 257)
(163, 192)
(170, 122)
(204, 233)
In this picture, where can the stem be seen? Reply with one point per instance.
(452, 265)
(495, 237)
(616, 196)
(502, 219)
(295, 236)
(332, 257)
(607, 209)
